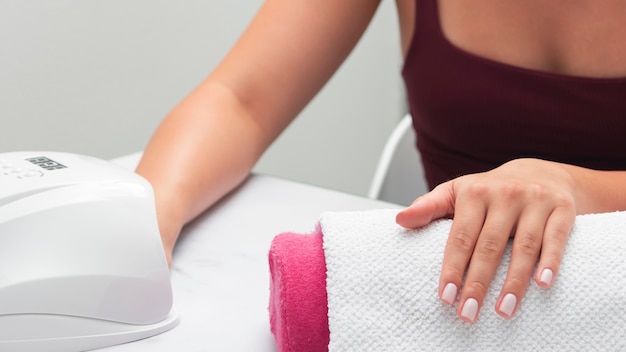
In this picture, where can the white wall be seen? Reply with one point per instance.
(96, 76)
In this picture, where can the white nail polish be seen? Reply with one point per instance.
(448, 295)
(470, 309)
(546, 277)
(507, 306)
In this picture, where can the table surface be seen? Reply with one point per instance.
(220, 273)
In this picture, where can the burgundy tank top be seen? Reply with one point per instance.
(472, 114)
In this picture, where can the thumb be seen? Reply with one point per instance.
(436, 204)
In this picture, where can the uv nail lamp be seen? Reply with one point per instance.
(81, 261)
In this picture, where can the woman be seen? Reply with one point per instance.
(517, 106)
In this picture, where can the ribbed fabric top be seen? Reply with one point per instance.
(472, 114)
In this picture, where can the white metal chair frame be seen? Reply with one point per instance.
(398, 177)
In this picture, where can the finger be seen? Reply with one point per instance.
(485, 260)
(436, 204)
(467, 223)
(557, 231)
(524, 255)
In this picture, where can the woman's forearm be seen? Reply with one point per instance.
(208, 144)
(203, 149)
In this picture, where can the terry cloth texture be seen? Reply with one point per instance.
(382, 291)
(298, 305)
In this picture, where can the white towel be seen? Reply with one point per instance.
(382, 291)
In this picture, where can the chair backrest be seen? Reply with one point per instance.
(399, 177)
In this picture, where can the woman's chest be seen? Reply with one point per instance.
(579, 38)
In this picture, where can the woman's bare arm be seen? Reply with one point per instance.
(209, 142)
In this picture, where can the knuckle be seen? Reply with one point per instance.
(475, 288)
(490, 248)
(451, 273)
(516, 283)
(537, 192)
(528, 245)
(462, 241)
(477, 190)
(559, 234)
(565, 201)
(512, 191)
(551, 258)
(560, 240)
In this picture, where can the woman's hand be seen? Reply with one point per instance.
(532, 200)
(170, 221)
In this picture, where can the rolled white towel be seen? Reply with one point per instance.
(382, 285)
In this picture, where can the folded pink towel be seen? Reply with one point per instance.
(298, 304)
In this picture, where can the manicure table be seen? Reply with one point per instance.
(220, 273)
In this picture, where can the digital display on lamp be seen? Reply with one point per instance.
(46, 163)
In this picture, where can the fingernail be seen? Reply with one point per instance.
(546, 277)
(470, 310)
(507, 306)
(448, 295)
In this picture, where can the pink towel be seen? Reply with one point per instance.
(298, 303)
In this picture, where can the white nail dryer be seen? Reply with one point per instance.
(81, 261)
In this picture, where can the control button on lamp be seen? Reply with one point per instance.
(33, 173)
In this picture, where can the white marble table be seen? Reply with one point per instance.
(220, 273)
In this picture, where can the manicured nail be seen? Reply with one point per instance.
(470, 310)
(449, 294)
(507, 306)
(546, 277)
